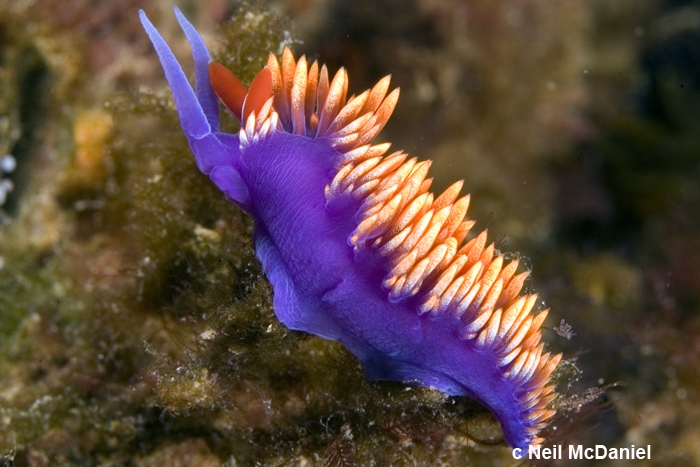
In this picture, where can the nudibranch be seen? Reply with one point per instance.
(356, 247)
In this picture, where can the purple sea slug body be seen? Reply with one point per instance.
(355, 246)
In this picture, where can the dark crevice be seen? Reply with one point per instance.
(31, 88)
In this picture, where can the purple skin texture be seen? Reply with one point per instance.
(320, 285)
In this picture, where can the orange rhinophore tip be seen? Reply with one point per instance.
(260, 91)
(228, 88)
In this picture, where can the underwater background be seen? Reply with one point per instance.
(136, 326)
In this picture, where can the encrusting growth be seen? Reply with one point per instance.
(420, 237)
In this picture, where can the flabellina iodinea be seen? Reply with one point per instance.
(355, 246)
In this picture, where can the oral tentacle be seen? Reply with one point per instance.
(192, 117)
